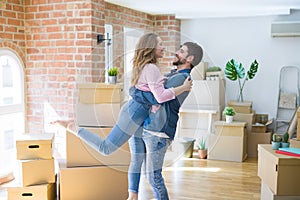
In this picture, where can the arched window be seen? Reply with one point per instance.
(12, 106)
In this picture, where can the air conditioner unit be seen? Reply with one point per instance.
(285, 29)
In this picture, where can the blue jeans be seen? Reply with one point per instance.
(138, 155)
(130, 121)
(151, 150)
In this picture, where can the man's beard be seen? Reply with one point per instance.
(179, 62)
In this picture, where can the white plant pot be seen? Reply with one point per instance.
(228, 119)
(112, 79)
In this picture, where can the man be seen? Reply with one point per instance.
(160, 126)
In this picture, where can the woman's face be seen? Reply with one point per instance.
(159, 50)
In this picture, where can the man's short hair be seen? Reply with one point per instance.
(195, 50)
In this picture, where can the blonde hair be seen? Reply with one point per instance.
(144, 54)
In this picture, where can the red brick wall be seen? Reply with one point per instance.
(120, 17)
(169, 30)
(57, 43)
(165, 25)
(61, 50)
(12, 27)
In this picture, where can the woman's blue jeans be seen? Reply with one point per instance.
(130, 121)
(151, 150)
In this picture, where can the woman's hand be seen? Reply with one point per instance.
(187, 84)
(185, 87)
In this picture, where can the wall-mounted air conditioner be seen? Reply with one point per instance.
(285, 29)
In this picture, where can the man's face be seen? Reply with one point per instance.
(181, 55)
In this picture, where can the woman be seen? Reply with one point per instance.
(146, 77)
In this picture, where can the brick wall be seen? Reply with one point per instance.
(61, 50)
(57, 44)
(166, 26)
(12, 27)
(169, 30)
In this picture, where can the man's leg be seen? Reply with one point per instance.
(156, 148)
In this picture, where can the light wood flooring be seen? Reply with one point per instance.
(202, 179)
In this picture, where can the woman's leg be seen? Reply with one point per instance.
(156, 148)
(137, 150)
(130, 119)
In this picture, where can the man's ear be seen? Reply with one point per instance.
(190, 58)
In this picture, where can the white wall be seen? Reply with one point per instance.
(246, 39)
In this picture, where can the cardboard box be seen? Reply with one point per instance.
(261, 123)
(198, 72)
(229, 142)
(241, 107)
(36, 192)
(261, 118)
(298, 123)
(199, 119)
(34, 146)
(295, 143)
(81, 154)
(215, 75)
(38, 171)
(267, 194)
(279, 172)
(100, 93)
(207, 93)
(97, 114)
(259, 128)
(243, 117)
(257, 138)
(93, 183)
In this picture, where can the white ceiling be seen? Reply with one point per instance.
(191, 9)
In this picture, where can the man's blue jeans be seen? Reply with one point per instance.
(130, 121)
(152, 150)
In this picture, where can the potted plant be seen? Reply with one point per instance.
(229, 112)
(235, 71)
(214, 73)
(202, 150)
(112, 75)
(285, 142)
(276, 141)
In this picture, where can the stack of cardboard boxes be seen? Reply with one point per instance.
(229, 142)
(279, 175)
(257, 126)
(260, 133)
(201, 108)
(87, 174)
(256, 132)
(36, 168)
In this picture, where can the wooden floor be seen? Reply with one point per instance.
(201, 179)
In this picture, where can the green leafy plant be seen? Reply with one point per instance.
(201, 145)
(276, 137)
(286, 137)
(214, 69)
(235, 71)
(229, 111)
(113, 71)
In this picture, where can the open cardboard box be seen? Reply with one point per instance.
(261, 123)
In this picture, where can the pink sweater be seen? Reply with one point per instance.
(151, 80)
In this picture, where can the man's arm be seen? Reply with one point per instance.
(160, 119)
